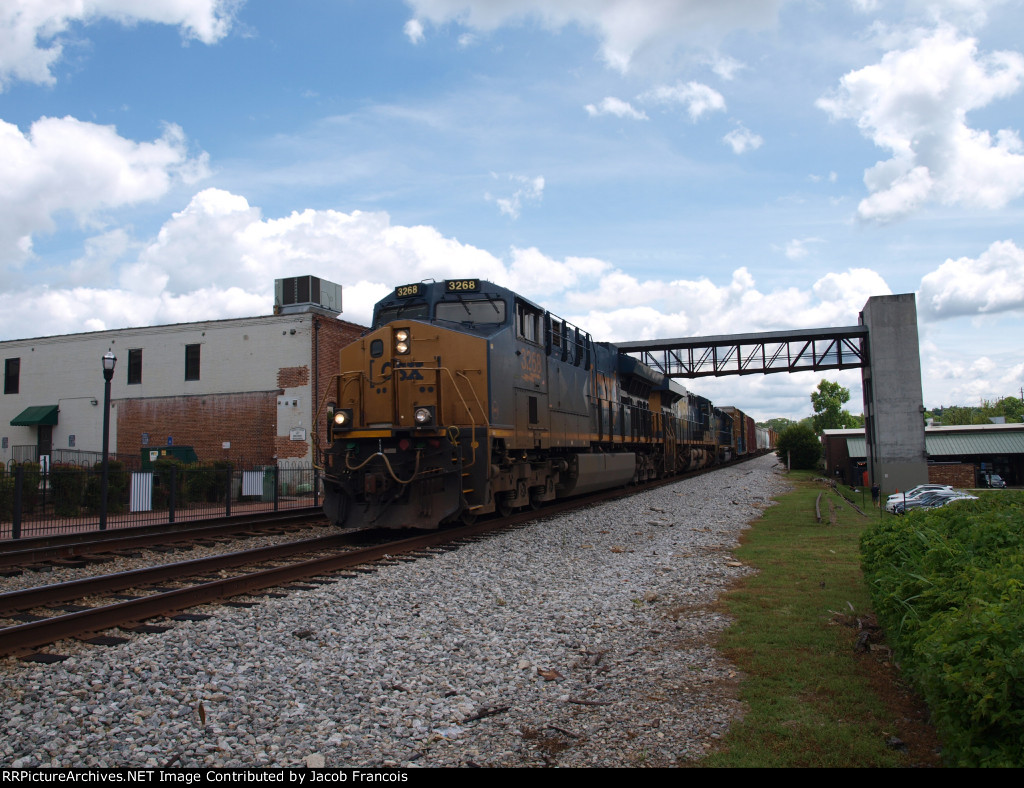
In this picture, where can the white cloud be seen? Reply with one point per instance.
(967, 381)
(67, 165)
(726, 67)
(622, 307)
(219, 256)
(796, 249)
(102, 253)
(914, 103)
(614, 106)
(530, 189)
(626, 28)
(993, 283)
(220, 240)
(971, 13)
(30, 30)
(696, 97)
(413, 30)
(742, 139)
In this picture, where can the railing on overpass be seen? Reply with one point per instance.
(812, 349)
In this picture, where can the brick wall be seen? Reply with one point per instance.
(955, 475)
(248, 421)
(292, 377)
(332, 335)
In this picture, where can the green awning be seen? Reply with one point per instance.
(36, 415)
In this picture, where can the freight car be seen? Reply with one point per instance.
(464, 399)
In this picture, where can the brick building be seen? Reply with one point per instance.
(245, 390)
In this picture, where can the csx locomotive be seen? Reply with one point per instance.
(465, 398)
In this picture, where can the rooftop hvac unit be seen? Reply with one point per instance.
(298, 293)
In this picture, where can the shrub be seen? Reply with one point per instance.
(117, 488)
(68, 483)
(802, 446)
(163, 469)
(6, 495)
(196, 483)
(948, 586)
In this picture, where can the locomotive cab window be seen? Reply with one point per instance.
(527, 320)
(465, 310)
(406, 311)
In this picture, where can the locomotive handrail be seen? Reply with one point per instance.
(316, 422)
(352, 376)
(472, 440)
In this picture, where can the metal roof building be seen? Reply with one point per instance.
(974, 449)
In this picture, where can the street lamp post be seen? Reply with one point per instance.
(109, 360)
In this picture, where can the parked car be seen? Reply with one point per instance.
(915, 493)
(932, 499)
(993, 480)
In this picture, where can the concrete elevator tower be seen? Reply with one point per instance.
(893, 402)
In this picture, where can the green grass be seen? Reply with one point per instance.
(809, 694)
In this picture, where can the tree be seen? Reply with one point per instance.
(1012, 408)
(828, 403)
(779, 423)
(957, 415)
(801, 445)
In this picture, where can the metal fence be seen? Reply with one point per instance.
(65, 498)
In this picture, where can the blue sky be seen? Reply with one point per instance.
(645, 169)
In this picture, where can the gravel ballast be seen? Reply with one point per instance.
(582, 640)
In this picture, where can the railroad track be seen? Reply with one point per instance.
(94, 545)
(59, 614)
(55, 619)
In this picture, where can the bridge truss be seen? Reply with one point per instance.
(813, 349)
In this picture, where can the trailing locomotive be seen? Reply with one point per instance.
(465, 398)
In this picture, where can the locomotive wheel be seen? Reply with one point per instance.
(535, 498)
(503, 505)
(467, 517)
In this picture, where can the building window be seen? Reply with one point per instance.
(12, 375)
(192, 362)
(134, 367)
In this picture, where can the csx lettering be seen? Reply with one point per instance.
(408, 370)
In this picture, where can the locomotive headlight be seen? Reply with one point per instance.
(342, 419)
(423, 417)
(401, 341)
